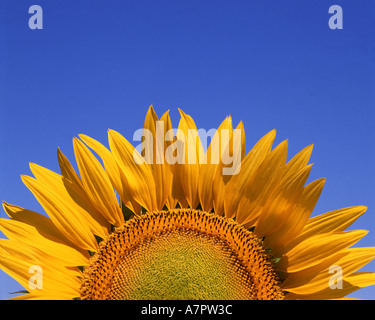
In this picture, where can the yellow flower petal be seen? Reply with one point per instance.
(316, 278)
(175, 189)
(277, 209)
(189, 172)
(315, 249)
(113, 171)
(75, 196)
(17, 258)
(66, 215)
(97, 184)
(23, 232)
(213, 157)
(139, 179)
(261, 183)
(44, 225)
(67, 170)
(295, 220)
(220, 179)
(350, 284)
(336, 220)
(154, 146)
(237, 184)
(299, 161)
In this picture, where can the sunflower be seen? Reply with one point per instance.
(149, 223)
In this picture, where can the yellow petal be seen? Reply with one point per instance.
(23, 232)
(337, 220)
(220, 180)
(97, 184)
(317, 278)
(236, 186)
(16, 259)
(65, 214)
(315, 249)
(213, 157)
(139, 179)
(67, 170)
(294, 221)
(172, 185)
(154, 146)
(350, 284)
(189, 172)
(299, 161)
(44, 225)
(75, 196)
(46, 295)
(175, 156)
(277, 209)
(261, 183)
(114, 172)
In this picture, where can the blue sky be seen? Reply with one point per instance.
(273, 64)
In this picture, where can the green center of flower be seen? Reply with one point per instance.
(181, 254)
(181, 265)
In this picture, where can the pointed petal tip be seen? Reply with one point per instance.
(111, 132)
(77, 143)
(5, 205)
(82, 136)
(59, 153)
(151, 109)
(361, 209)
(33, 165)
(321, 182)
(309, 148)
(284, 143)
(25, 178)
(272, 133)
(181, 112)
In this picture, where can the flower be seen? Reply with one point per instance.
(170, 221)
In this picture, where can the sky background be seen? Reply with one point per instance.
(273, 64)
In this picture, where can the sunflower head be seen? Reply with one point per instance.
(176, 219)
(181, 254)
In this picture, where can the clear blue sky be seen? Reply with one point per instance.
(273, 64)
